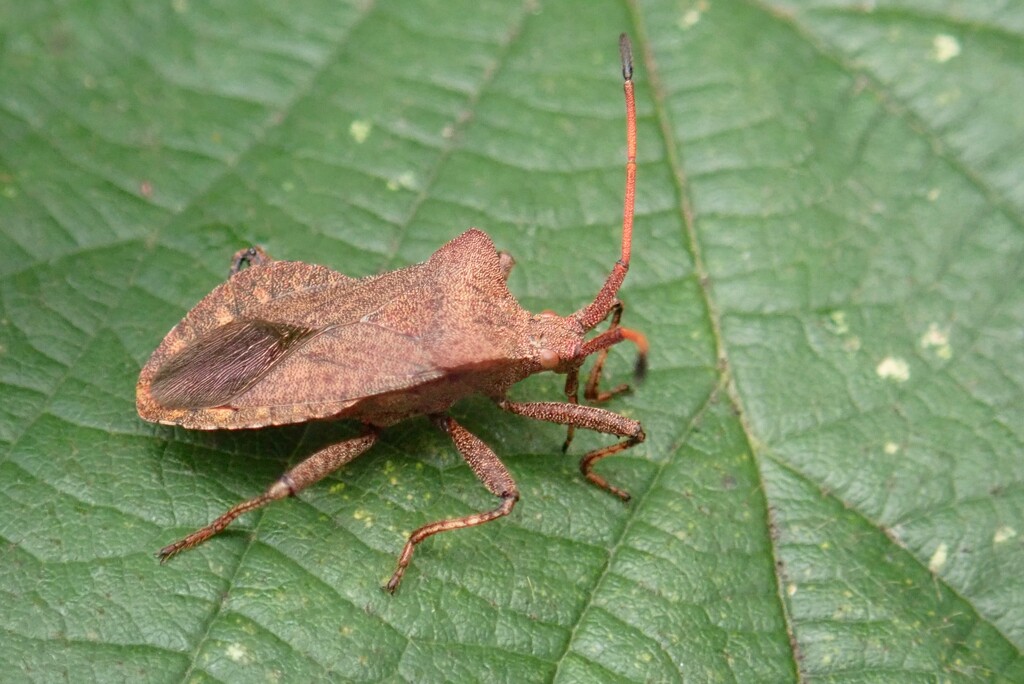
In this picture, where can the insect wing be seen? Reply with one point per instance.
(286, 342)
(224, 363)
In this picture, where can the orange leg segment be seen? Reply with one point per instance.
(488, 468)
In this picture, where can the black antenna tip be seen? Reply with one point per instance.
(626, 50)
(640, 369)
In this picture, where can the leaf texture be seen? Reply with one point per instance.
(828, 261)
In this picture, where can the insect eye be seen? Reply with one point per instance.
(548, 359)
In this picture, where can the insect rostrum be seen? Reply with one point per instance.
(287, 342)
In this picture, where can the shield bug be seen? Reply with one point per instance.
(287, 342)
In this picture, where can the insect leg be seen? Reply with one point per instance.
(491, 471)
(591, 418)
(311, 470)
(250, 256)
(505, 263)
(572, 393)
(600, 344)
(591, 391)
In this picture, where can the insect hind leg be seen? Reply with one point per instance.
(313, 469)
(488, 468)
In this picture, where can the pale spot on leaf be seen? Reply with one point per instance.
(237, 652)
(938, 558)
(838, 323)
(360, 130)
(405, 180)
(945, 47)
(893, 368)
(1003, 534)
(937, 340)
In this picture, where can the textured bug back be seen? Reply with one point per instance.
(286, 342)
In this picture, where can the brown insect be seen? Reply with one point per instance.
(287, 342)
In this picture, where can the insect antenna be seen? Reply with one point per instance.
(595, 312)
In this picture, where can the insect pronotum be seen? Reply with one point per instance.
(287, 342)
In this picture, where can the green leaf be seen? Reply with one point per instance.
(828, 262)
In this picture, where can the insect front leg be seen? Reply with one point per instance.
(591, 418)
(488, 468)
(591, 392)
(600, 344)
(248, 257)
(311, 470)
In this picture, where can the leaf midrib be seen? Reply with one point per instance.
(896, 108)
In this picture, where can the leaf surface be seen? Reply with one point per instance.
(828, 263)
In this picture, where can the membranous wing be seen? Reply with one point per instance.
(224, 362)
